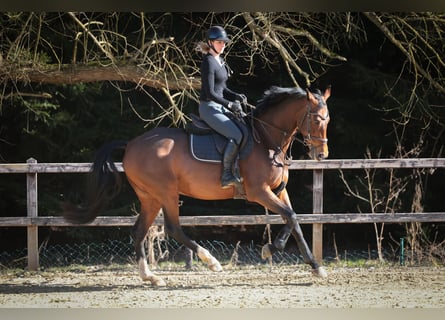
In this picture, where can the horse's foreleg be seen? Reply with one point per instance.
(283, 235)
(281, 239)
(308, 257)
(280, 242)
(292, 226)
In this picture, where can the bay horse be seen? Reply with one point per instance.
(159, 166)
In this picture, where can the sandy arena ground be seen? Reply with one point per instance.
(235, 287)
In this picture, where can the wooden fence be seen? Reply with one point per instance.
(33, 221)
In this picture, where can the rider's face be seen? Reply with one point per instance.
(219, 45)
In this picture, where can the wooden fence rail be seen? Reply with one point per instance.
(33, 221)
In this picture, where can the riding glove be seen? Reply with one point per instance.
(235, 107)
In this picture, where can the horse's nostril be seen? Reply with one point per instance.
(321, 156)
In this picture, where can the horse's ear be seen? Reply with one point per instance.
(311, 97)
(327, 93)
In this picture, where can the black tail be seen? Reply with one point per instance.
(104, 183)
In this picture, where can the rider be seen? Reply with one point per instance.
(216, 99)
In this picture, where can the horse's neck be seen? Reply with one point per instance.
(279, 130)
(275, 135)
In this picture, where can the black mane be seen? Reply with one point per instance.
(275, 95)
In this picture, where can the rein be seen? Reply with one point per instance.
(277, 149)
(254, 132)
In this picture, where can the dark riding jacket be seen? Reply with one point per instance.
(214, 76)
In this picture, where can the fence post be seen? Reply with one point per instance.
(32, 230)
(317, 208)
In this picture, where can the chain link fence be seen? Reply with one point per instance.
(117, 251)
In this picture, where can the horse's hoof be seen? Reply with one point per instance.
(320, 272)
(216, 267)
(158, 282)
(265, 252)
(154, 280)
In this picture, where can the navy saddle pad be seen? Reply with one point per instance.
(207, 145)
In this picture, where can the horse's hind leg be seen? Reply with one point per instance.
(174, 229)
(149, 210)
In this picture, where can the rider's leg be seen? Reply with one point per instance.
(212, 113)
(230, 153)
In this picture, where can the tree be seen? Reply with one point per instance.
(156, 50)
(69, 48)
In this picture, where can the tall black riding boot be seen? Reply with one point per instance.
(230, 152)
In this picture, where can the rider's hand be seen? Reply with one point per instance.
(235, 107)
(242, 97)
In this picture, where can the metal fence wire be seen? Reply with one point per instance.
(117, 251)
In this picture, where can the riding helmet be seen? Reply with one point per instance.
(217, 33)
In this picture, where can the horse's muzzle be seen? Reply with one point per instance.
(319, 152)
(321, 156)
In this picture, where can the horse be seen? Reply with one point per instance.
(159, 167)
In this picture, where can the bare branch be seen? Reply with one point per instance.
(100, 45)
(409, 49)
(293, 44)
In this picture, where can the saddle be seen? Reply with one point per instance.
(207, 145)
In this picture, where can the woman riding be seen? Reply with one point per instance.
(216, 99)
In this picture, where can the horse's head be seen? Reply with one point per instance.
(314, 125)
(289, 110)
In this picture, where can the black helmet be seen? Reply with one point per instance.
(217, 33)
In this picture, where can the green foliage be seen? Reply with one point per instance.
(37, 111)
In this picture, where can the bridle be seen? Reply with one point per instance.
(307, 139)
